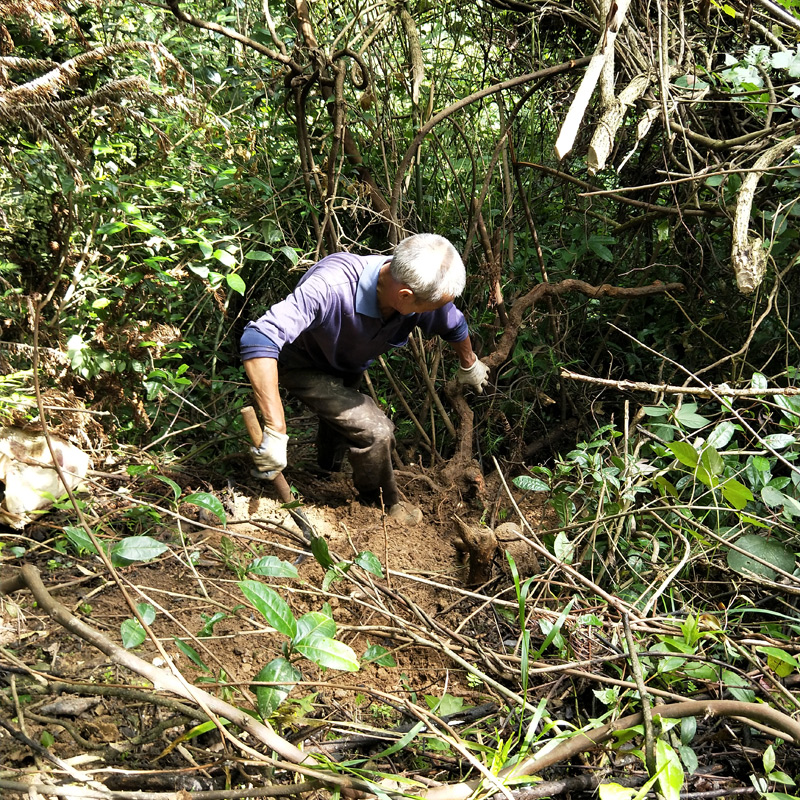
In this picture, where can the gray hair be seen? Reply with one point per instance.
(430, 266)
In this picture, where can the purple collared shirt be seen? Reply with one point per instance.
(332, 318)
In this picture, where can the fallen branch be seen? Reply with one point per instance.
(709, 392)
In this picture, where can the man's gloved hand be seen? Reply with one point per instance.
(476, 376)
(270, 457)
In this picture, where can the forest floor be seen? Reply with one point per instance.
(129, 744)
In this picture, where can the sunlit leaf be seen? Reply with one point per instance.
(328, 652)
(268, 698)
(271, 606)
(136, 548)
(273, 567)
(209, 503)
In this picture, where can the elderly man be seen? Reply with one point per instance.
(345, 312)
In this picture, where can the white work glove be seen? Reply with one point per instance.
(476, 376)
(270, 457)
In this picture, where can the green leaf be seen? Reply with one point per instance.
(406, 739)
(529, 484)
(768, 550)
(259, 255)
(563, 548)
(670, 770)
(777, 441)
(368, 561)
(615, 791)
(206, 249)
(190, 653)
(209, 503)
(712, 461)
(655, 411)
(689, 758)
(176, 490)
(268, 698)
(235, 282)
(136, 548)
(314, 623)
(687, 417)
(133, 633)
(291, 254)
(380, 655)
(737, 494)
(446, 705)
(79, 539)
(224, 257)
(147, 612)
(111, 227)
(271, 606)
(209, 623)
(273, 567)
(328, 652)
(772, 497)
(685, 453)
(758, 381)
(721, 435)
(319, 549)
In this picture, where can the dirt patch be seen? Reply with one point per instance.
(419, 603)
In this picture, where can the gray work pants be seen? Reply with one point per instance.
(348, 417)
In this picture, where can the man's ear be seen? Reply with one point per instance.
(404, 293)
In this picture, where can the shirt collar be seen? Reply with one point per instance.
(367, 289)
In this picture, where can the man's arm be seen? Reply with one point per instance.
(263, 375)
(465, 353)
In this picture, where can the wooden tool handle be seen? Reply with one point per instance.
(252, 424)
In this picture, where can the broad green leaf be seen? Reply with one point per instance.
(779, 660)
(132, 633)
(147, 612)
(772, 497)
(688, 729)
(689, 758)
(224, 257)
(758, 381)
(790, 407)
(290, 253)
(380, 655)
(136, 548)
(685, 453)
(712, 461)
(79, 539)
(615, 791)
(207, 250)
(259, 255)
(774, 553)
(670, 770)
(235, 282)
(190, 653)
(737, 494)
(777, 441)
(687, 416)
(655, 411)
(328, 652)
(563, 548)
(368, 561)
(445, 705)
(268, 698)
(209, 503)
(529, 484)
(721, 435)
(111, 227)
(271, 606)
(314, 623)
(273, 567)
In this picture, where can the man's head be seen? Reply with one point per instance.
(430, 267)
